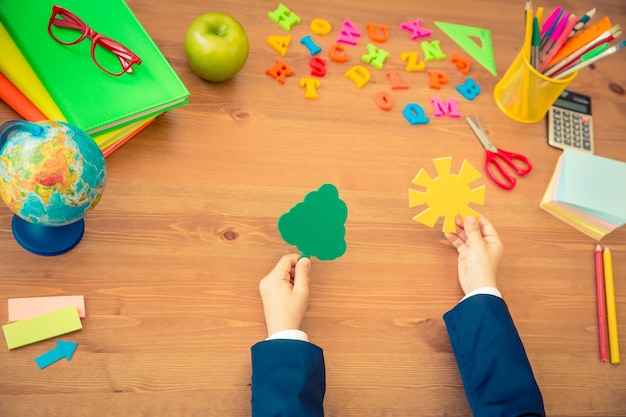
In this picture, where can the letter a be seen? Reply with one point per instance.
(279, 43)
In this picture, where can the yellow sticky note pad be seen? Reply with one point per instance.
(46, 326)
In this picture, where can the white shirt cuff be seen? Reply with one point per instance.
(290, 334)
(483, 290)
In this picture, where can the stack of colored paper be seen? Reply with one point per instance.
(585, 193)
(42, 78)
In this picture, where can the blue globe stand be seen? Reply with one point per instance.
(47, 240)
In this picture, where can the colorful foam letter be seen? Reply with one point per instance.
(415, 115)
(375, 56)
(359, 74)
(461, 62)
(349, 33)
(311, 85)
(437, 79)
(394, 80)
(284, 17)
(372, 31)
(432, 50)
(416, 29)
(279, 43)
(313, 48)
(469, 89)
(337, 53)
(279, 71)
(451, 107)
(320, 27)
(318, 66)
(384, 101)
(411, 61)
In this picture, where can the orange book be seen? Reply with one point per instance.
(11, 95)
(113, 147)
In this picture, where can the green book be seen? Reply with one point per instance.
(89, 97)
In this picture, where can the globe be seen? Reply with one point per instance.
(51, 175)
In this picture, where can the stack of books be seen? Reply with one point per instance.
(586, 192)
(45, 79)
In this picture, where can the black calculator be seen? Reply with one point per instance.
(570, 124)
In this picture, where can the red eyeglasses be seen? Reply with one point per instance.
(68, 29)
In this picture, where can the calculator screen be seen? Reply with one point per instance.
(572, 105)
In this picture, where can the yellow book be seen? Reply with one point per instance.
(15, 67)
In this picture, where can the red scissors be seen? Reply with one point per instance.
(498, 158)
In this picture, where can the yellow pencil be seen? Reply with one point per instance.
(610, 305)
(539, 14)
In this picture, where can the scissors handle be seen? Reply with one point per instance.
(503, 178)
(513, 160)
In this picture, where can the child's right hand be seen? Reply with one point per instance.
(480, 251)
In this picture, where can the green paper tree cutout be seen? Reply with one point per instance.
(316, 226)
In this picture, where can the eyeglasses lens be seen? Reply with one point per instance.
(106, 59)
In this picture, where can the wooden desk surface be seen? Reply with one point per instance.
(171, 258)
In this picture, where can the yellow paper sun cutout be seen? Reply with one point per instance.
(447, 195)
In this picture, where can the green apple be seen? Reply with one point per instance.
(216, 46)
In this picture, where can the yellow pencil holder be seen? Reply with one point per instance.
(526, 95)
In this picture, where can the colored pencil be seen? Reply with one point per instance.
(610, 306)
(601, 304)
(571, 59)
(583, 21)
(591, 57)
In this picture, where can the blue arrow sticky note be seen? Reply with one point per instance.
(63, 350)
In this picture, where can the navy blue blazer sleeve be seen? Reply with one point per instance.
(496, 374)
(288, 379)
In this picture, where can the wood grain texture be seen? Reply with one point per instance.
(171, 258)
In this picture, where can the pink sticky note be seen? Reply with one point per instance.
(24, 308)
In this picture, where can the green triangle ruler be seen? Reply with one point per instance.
(463, 35)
